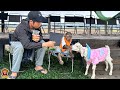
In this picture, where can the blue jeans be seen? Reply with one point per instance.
(18, 50)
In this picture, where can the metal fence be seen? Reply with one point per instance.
(79, 25)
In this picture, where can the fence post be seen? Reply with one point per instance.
(106, 33)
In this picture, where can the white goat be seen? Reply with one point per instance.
(94, 56)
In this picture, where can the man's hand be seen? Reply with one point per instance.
(35, 38)
(48, 44)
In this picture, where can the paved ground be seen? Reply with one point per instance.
(104, 75)
(101, 74)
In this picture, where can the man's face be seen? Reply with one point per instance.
(35, 25)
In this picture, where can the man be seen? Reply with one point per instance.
(65, 47)
(22, 39)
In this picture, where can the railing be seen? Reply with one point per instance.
(77, 27)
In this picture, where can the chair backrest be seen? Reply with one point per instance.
(88, 20)
(14, 18)
(13, 21)
(54, 18)
(69, 19)
(112, 22)
(74, 19)
(3, 16)
(56, 37)
(79, 19)
(101, 22)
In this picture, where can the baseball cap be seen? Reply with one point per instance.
(36, 16)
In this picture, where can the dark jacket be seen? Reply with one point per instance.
(23, 34)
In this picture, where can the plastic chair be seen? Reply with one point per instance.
(57, 38)
(79, 23)
(69, 22)
(112, 24)
(13, 20)
(55, 22)
(100, 24)
(89, 20)
(72, 21)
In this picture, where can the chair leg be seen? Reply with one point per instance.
(72, 65)
(67, 58)
(10, 61)
(49, 55)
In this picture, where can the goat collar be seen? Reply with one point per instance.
(88, 51)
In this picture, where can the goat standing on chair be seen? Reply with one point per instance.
(94, 56)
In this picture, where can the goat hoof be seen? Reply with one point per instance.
(106, 69)
(85, 73)
(92, 77)
(110, 74)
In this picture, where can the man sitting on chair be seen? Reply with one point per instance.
(65, 47)
(23, 38)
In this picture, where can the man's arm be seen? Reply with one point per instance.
(24, 39)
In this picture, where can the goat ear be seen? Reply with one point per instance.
(77, 42)
(81, 45)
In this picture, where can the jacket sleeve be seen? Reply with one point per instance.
(24, 39)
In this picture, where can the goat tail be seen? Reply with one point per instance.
(107, 47)
(108, 51)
